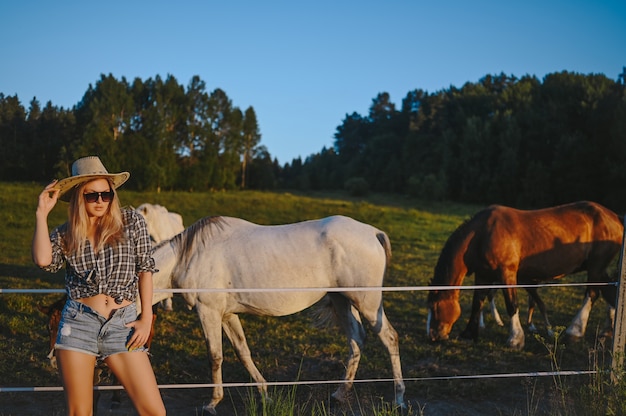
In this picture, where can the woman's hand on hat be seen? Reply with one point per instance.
(48, 198)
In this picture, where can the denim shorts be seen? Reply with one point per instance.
(85, 330)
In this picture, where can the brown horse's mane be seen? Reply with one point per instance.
(449, 250)
(452, 247)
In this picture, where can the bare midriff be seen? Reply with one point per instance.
(103, 304)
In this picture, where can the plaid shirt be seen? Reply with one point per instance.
(113, 270)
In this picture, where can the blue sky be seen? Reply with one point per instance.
(302, 65)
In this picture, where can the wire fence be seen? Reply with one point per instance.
(559, 373)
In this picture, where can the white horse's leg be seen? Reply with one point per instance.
(234, 332)
(166, 304)
(579, 324)
(389, 337)
(350, 322)
(516, 338)
(212, 327)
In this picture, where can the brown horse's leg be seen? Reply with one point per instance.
(494, 309)
(491, 297)
(516, 338)
(577, 328)
(473, 325)
(535, 300)
(609, 293)
(531, 310)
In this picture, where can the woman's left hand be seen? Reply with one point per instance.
(142, 328)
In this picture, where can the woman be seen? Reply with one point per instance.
(106, 252)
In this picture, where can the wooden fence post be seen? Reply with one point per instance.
(619, 332)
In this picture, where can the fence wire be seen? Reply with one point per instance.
(320, 382)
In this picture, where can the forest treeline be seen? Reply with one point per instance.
(517, 141)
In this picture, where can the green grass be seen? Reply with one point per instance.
(291, 348)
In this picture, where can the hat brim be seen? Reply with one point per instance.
(66, 185)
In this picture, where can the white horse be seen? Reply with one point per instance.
(162, 225)
(231, 253)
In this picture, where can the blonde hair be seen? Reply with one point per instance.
(109, 230)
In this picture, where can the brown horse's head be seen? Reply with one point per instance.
(443, 312)
(54, 318)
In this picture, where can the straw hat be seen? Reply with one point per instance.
(84, 170)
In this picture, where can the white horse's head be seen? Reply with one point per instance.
(165, 259)
(162, 224)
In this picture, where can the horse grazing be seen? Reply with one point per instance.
(502, 245)
(162, 225)
(53, 312)
(231, 253)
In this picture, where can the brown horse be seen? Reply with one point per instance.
(502, 245)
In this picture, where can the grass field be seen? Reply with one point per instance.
(292, 348)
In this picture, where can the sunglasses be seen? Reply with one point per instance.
(92, 197)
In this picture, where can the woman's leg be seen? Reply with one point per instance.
(134, 371)
(77, 370)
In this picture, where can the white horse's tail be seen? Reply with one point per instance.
(324, 314)
(384, 241)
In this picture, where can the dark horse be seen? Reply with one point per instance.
(502, 245)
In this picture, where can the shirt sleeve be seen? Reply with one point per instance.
(143, 245)
(58, 258)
